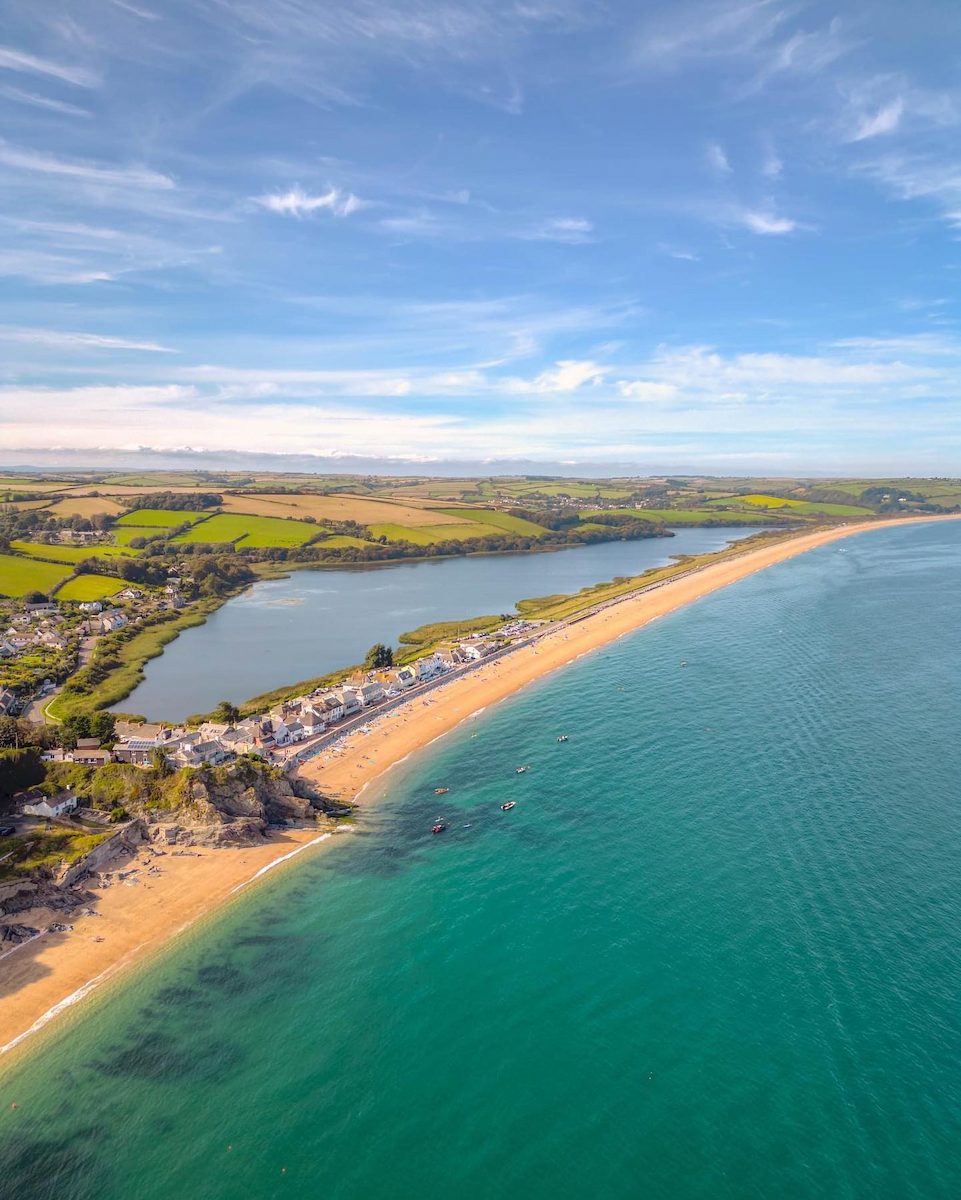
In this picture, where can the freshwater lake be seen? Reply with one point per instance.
(314, 621)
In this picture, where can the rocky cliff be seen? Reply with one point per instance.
(230, 806)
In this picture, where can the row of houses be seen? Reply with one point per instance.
(288, 724)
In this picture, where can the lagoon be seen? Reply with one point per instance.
(315, 621)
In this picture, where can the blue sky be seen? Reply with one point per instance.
(687, 236)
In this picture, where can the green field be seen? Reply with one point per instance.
(248, 531)
(681, 516)
(497, 520)
(123, 537)
(21, 575)
(90, 587)
(162, 518)
(68, 554)
(428, 535)
(803, 508)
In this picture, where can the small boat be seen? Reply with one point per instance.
(439, 827)
(508, 806)
(519, 770)
(441, 791)
(564, 738)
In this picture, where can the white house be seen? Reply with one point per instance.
(352, 702)
(406, 677)
(371, 693)
(90, 606)
(56, 806)
(333, 707)
(430, 667)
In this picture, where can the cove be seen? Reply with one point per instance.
(314, 621)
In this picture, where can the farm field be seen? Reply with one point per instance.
(683, 516)
(159, 518)
(339, 508)
(85, 506)
(90, 587)
(428, 535)
(247, 530)
(20, 575)
(497, 520)
(800, 507)
(69, 554)
(123, 537)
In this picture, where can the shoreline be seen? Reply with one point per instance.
(55, 973)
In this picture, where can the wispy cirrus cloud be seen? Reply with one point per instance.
(765, 222)
(885, 120)
(717, 159)
(66, 339)
(21, 96)
(572, 230)
(297, 203)
(12, 59)
(39, 162)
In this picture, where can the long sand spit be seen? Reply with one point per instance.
(58, 972)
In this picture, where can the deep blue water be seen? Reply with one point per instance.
(712, 953)
(313, 622)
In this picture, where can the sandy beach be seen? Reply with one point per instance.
(52, 974)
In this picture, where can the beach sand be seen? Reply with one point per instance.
(54, 973)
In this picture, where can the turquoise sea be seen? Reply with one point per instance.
(714, 952)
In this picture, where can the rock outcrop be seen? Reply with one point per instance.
(232, 805)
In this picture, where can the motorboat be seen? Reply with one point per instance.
(439, 827)
(441, 791)
(508, 806)
(564, 738)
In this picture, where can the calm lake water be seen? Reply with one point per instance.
(712, 954)
(312, 622)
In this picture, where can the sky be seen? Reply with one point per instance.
(718, 237)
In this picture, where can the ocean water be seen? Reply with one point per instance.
(312, 622)
(714, 951)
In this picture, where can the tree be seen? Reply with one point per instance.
(103, 726)
(227, 713)
(9, 733)
(379, 655)
(158, 761)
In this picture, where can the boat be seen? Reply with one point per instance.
(519, 770)
(439, 827)
(564, 738)
(508, 806)
(441, 791)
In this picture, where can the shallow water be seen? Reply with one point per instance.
(313, 622)
(713, 951)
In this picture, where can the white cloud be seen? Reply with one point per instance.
(572, 230)
(19, 96)
(772, 167)
(567, 376)
(66, 340)
(12, 59)
(47, 164)
(298, 203)
(768, 224)
(717, 159)
(885, 120)
(645, 389)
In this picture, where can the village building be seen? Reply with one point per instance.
(52, 807)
